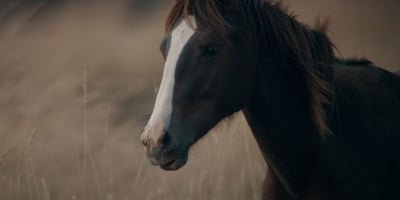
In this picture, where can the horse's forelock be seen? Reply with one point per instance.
(206, 11)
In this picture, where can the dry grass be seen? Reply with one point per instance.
(74, 89)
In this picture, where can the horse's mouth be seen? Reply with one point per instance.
(174, 164)
(169, 166)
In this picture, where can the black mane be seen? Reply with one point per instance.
(354, 61)
(304, 54)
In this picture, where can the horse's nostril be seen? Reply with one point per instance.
(166, 139)
(167, 143)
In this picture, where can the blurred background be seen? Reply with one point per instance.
(78, 79)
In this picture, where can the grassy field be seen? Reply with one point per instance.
(76, 86)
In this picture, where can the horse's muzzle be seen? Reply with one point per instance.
(162, 151)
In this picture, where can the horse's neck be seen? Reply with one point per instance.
(286, 135)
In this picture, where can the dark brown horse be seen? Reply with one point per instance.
(328, 128)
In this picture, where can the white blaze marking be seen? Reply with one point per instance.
(161, 115)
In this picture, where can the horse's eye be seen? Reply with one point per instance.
(210, 51)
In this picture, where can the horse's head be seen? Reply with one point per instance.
(225, 55)
(207, 77)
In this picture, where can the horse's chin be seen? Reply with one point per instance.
(175, 164)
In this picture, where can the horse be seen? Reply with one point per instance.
(328, 128)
